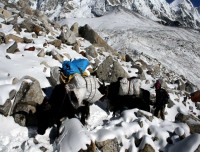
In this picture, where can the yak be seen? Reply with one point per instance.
(120, 103)
(58, 106)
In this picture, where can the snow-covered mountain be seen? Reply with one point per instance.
(198, 8)
(179, 13)
(186, 13)
(31, 46)
(176, 48)
(143, 35)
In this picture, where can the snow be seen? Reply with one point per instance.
(187, 3)
(141, 33)
(73, 130)
(183, 145)
(101, 126)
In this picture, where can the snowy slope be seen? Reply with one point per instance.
(175, 48)
(173, 14)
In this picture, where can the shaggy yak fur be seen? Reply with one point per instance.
(123, 102)
(58, 106)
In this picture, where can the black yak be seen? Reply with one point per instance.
(118, 102)
(58, 106)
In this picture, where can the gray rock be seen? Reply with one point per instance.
(13, 20)
(156, 70)
(74, 28)
(17, 39)
(189, 87)
(89, 34)
(4, 109)
(17, 28)
(13, 48)
(2, 38)
(20, 119)
(5, 13)
(28, 94)
(54, 78)
(26, 40)
(170, 103)
(96, 63)
(41, 53)
(197, 104)
(99, 8)
(140, 72)
(91, 51)
(110, 70)
(28, 25)
(181, 84)
(47, 24)
(27, 97)
(57, 43)
(67, 36)
(21, 14)
(76, 46)
(147, 148)
(190, 120)
(12, 94)
(142, 64)
(149, 117)
(110, 145)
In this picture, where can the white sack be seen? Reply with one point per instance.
(130, 87)
(84, 89)
(92, 93)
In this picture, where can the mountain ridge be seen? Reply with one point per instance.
(179, 13)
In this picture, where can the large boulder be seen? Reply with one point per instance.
(190, 120)
(89, 34)
(28, 96)
(110, 70)
(67, 36)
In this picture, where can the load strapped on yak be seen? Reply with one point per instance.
(80, 82)
(130, 86)
(76, 66)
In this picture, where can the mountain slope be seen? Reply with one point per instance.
(129, 33)
(36, 45)
(167, 44)
(179, 13)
